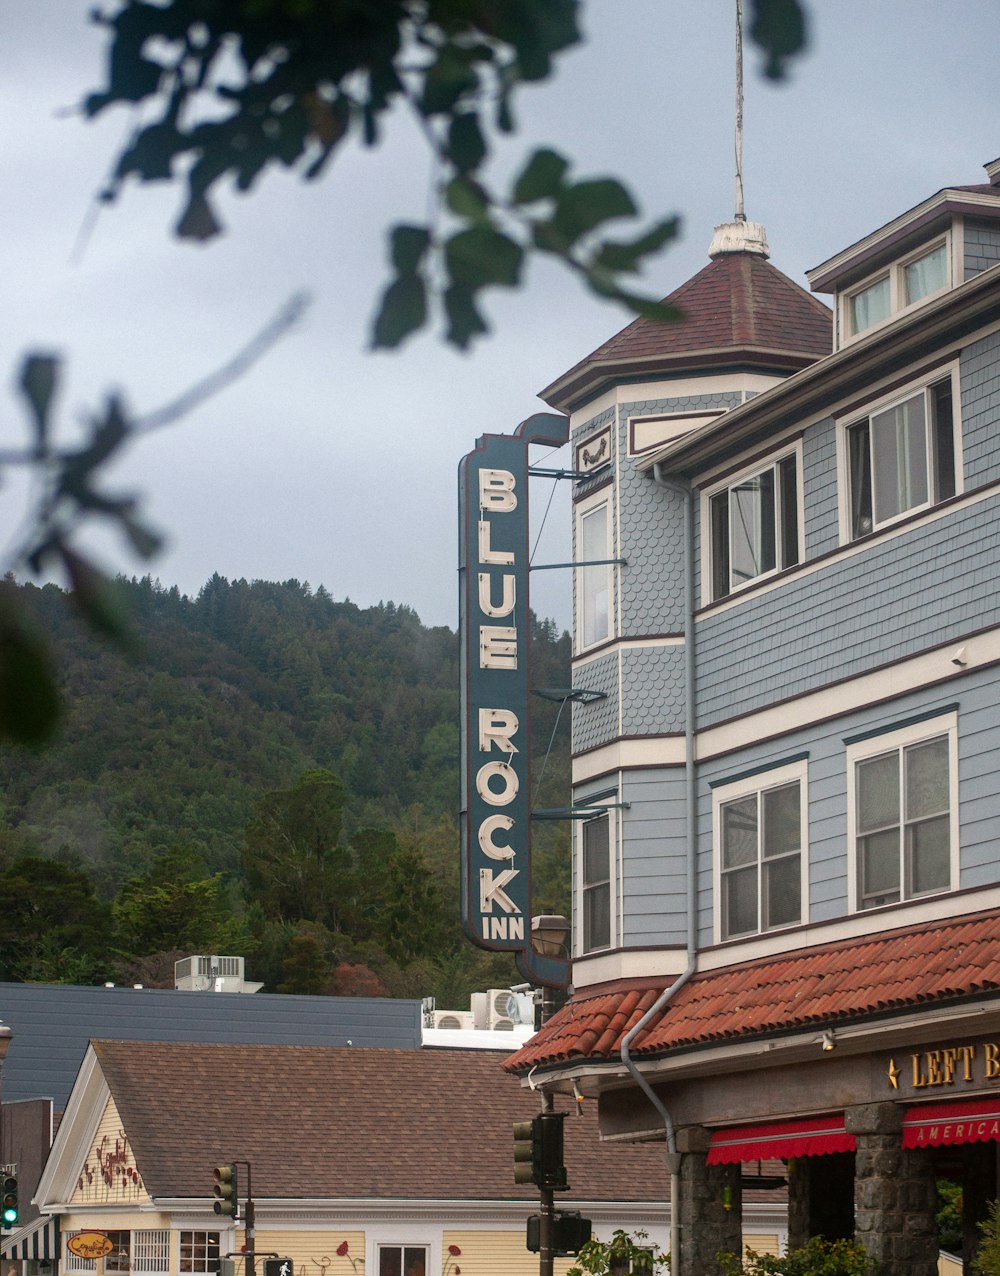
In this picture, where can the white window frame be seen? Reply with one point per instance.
(581, 887)
(584, 887)
(757, 783)
(401, 1234)
(942, 725)
(586, 578)
(895, 274)
(728, 484)
(74, 1263)
(203, 1244)
(883, 403)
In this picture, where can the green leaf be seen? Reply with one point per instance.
(482, 255)
(627, 255)
(583, 207)
(143, 539)
(97, 599)
(408, 246)
(465, 142)
(198, 221)
(39, 379)
(403, 310)
(467, 199)
(778, 27)
(448, 79)
(541, 177)
(29, 698)
(464, 320)
(152, 153)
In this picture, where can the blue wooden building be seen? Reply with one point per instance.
(786, 941)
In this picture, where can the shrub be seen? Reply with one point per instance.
(818, 1257)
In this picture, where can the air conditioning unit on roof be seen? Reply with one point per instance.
(212, 974)
(492, 1009)
(452, 1019)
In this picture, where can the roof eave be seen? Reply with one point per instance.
(580, 387)
(860, 257)
(864, 1035)
(978, 298)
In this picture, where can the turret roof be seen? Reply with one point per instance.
(739, 311)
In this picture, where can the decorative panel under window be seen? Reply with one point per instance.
(151, 1251)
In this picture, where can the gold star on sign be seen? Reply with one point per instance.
(893, 1074)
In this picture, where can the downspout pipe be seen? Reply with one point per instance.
(673, 1159)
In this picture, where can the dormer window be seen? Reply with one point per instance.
(926, 274)
(911, 280)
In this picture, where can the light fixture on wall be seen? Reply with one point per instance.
(960, 658)
(829, 1039)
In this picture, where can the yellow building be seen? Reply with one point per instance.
(390, 1162)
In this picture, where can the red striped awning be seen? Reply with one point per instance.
(965, 1121)
(812, 1136)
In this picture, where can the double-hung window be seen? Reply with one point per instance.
(901, 457)
(760, 839)
(593, 578)
(595, 884)
(754, 525)
(904, 814)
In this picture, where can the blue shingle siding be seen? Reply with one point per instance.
(980, 381)
(652, 690)
(597, 722)
(819, 489)
(857, 613)
(982, 246)
(654, 857)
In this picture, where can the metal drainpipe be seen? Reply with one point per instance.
(673, 1159)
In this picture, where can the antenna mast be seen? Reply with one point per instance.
(740, 212)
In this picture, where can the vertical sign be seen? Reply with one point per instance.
(494, 629)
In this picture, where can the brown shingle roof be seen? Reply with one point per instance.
(738, 310)
(336, 1123)
(824, 985)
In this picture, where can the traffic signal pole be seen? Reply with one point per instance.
(248, 1224)
(547, 1212)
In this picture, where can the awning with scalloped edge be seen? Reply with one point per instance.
(812, 1136)
(964, 1121)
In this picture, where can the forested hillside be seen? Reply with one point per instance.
(271, 773)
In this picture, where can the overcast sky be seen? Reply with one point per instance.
(338, 467)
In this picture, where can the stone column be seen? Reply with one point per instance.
(894, 1194)
(708, 1228)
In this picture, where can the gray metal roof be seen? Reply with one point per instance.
(52, 1024)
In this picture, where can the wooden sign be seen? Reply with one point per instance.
(90, 1244)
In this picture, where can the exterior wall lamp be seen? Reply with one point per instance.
(550, 935)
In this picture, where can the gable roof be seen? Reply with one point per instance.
(823, 986)
(737, 311)
(52, 1025)
(348, 1124)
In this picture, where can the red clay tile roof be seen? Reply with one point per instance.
(738, 309)
(825, 985)
(336, 1123)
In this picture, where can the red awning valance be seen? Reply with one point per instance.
(967, 1121)
(812, 1136)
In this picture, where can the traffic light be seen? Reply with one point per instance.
(226, 1190)
(8, 1193)
(538, 1152)
(570, 1233)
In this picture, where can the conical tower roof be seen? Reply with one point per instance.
(738, 312)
